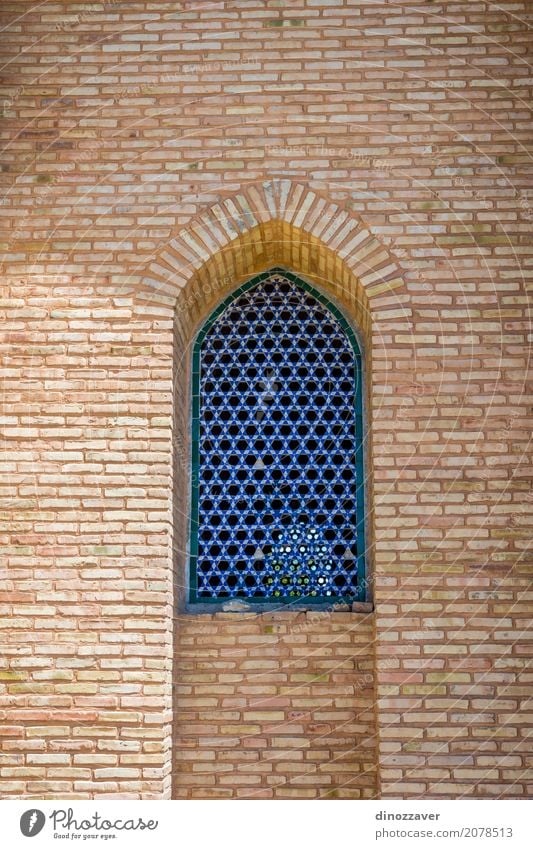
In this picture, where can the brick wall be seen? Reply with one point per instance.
(86, 600)
(156, 153)
(276, 706)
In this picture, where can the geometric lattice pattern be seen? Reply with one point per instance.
(277, 484)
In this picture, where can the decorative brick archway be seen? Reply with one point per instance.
(276, 224)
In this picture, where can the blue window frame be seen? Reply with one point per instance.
(277, 511)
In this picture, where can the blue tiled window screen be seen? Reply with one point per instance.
(277, 494)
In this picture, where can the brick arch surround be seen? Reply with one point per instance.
(292, 221)
(279, 704)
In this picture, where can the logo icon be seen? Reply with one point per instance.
(32, 822)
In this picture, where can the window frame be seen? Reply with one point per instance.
(196, 603)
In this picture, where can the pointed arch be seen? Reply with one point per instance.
(278, 224)
(275, 223)
(265, 364)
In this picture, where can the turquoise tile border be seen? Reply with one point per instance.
(361, 594)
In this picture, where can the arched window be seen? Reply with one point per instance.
(277, 496)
